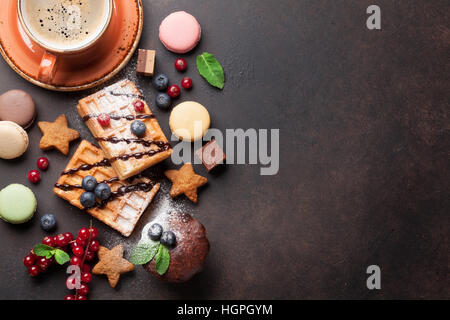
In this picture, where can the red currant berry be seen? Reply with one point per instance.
(29, 260)
(186, 83)
(61, 240)
(69, 297)
(34, 271)
(75, 244)
(42, 163)
(34, 176)
(76, 261)
(85, 268)
(84, 289)
(138, 106)
(33, 255)
(174, 91)
(48, 241)
(78, 251)
(70, 283)
(94, 233)
(83, 234)
(90, 256)
(86, 277)
(94, 246)
(180, 64)
(104, 119)
(43, 263)
(69, 236)
(81, 242)
(81, 298)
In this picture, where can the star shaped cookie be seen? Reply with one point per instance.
(57, 135)
(112, 264)
(185, 181)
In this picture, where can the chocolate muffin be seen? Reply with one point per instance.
(188, 256)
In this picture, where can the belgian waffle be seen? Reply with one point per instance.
(128, 154)
(129, 198)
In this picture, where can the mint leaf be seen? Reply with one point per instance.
(42, 250)
(61, 257)
(50, 254)
(162, 260)
(211, 70)
(143, 253)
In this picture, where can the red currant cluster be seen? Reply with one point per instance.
(36, 264)
(83, 248)
(34, 176)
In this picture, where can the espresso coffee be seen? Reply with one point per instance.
(65, 24)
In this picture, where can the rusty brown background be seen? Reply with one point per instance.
(364, 174)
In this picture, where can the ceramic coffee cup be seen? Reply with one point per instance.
(62, 27)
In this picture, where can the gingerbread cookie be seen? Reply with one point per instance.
(185, 181)
(57, 135)
(112, 264)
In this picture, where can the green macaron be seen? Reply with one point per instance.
(17, 204)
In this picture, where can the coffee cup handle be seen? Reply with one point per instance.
(47, 68)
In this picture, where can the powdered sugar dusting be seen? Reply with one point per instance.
(156, 212)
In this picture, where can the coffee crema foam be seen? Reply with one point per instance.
(65, 24)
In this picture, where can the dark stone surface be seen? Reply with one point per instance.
(364, 175)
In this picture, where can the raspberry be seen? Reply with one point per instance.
(139, 106)
(104, 119)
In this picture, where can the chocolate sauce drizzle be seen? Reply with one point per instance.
(107, 162)
(86, 167)
(141, 186)
(145, 143)
(128, 95)
(139, 155)
(68, 187)
(129, 117)
(120, 192)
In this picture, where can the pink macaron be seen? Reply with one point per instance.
(180, 32)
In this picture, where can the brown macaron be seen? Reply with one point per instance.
(17, 106)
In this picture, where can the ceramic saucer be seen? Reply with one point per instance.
(82, 71)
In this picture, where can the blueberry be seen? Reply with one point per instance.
(163, 101)
(168, 239)
(155, 232)
(161, 82)
(87, 199)
(103, 191)
(89, 183)
(138, 128)
(48, 222)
